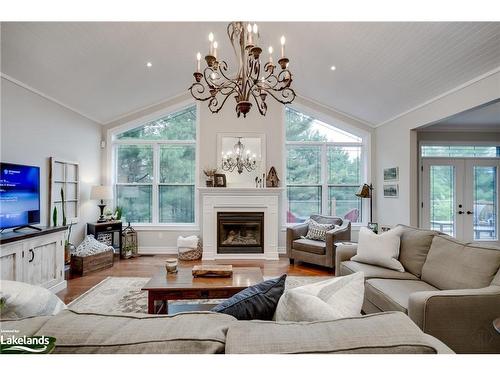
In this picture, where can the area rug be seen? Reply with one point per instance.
(124, 295)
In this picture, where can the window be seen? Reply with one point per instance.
(323, 169)
(156, 168)
(460, 151)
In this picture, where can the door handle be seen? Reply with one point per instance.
(32, 255)
(470, 212)
(460, 212)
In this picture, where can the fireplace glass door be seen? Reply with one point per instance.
(240, 232)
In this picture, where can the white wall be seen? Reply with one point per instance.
(163, 239)
(34, 128)
(397, 145)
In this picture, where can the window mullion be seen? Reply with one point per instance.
(156, 180)
(324, 180)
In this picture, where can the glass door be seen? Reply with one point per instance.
(482, 182)
(442, 204)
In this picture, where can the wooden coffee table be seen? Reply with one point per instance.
(183, 286)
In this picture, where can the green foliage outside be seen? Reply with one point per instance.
(304, 168)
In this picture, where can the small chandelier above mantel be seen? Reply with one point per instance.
(252, 83)
(239, 159)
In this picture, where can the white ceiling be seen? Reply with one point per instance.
(483, 118)
(383, 69)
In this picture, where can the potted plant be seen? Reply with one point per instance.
(210, 173)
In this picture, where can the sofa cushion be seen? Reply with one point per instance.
(379, 249)
(25, 300)
(335, 298)
(415, 244)
(390, 332)
(255, 302)
(371, 271)
(393, 295)
(185, 333)
(310, 246)
(452, 264)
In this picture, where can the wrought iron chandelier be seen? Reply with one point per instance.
(238, 159)
(251, 83)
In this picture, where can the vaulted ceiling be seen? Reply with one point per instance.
(382, 69)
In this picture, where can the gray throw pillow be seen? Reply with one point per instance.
(317, 231)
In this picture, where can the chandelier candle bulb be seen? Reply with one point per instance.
(215, 49)
(282, 40)
(270, 54)
(211, 40)
(249, 29)
(198, 60)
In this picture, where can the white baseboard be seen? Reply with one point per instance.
(281, 249)
(157, 250)
(58, 287)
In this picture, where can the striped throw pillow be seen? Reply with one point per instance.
(317, 231)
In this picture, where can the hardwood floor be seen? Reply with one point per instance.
(147, 265)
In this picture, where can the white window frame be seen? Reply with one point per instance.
(111, 164)
(364, 162)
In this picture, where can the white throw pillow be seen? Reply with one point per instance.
(339, 297)
(24, 300)
(90, 246)
(379, 249)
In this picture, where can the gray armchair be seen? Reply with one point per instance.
(317, 252)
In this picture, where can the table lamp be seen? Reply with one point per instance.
(101, 193)
(366, 191)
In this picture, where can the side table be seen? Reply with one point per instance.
(108, 232)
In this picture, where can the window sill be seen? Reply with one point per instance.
(166, 227)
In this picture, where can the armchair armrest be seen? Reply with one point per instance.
(461, 318)
(294, 233)
(343, 253)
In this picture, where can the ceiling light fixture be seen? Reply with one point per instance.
(333, 67)
(250, 82)
(149, 64)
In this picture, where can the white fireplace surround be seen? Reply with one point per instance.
(216, 200)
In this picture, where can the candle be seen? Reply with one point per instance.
(255, 32)
(249, 29)
(282, 46)
(215, 49)
(270, 54)
(198, 58)
(211, 40)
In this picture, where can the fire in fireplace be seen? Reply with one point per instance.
(240, 232)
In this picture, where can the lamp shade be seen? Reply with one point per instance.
(364, 191)
(101, 192)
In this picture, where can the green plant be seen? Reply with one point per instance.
(54, 217)
(118, 212)
(63, 203)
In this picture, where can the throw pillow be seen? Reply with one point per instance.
(90, 246)
(339, 297)
(256, 302)
(23, 300)
(317, 231)
(379, 249)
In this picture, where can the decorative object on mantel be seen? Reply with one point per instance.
(210, 173)
(219, 180)
(213, 270)
(366, 191)
(189, 248)
(101, 193)
(250, 82)
(239, 159)
(64, 182)
(272, 179)
(130, 246)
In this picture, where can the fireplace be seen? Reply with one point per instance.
(240, 232)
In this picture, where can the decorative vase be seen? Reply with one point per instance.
(210, 183)
(68, 249)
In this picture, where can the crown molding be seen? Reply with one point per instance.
(441, 96)
(48, 97)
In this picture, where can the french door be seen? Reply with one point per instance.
(460, 197)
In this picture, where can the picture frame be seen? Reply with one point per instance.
(220, 180)
(391, 174)
(391, 191)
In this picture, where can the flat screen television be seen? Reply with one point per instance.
(19, 195)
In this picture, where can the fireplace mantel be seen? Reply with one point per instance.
(236, 199)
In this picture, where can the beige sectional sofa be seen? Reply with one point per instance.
(450, 289)
(211, 333)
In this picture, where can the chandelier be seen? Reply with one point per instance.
(252, 82)
(238, 159)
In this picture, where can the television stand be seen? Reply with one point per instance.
(26, 226)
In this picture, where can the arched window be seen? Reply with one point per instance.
(323, 169)
(155, 169)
